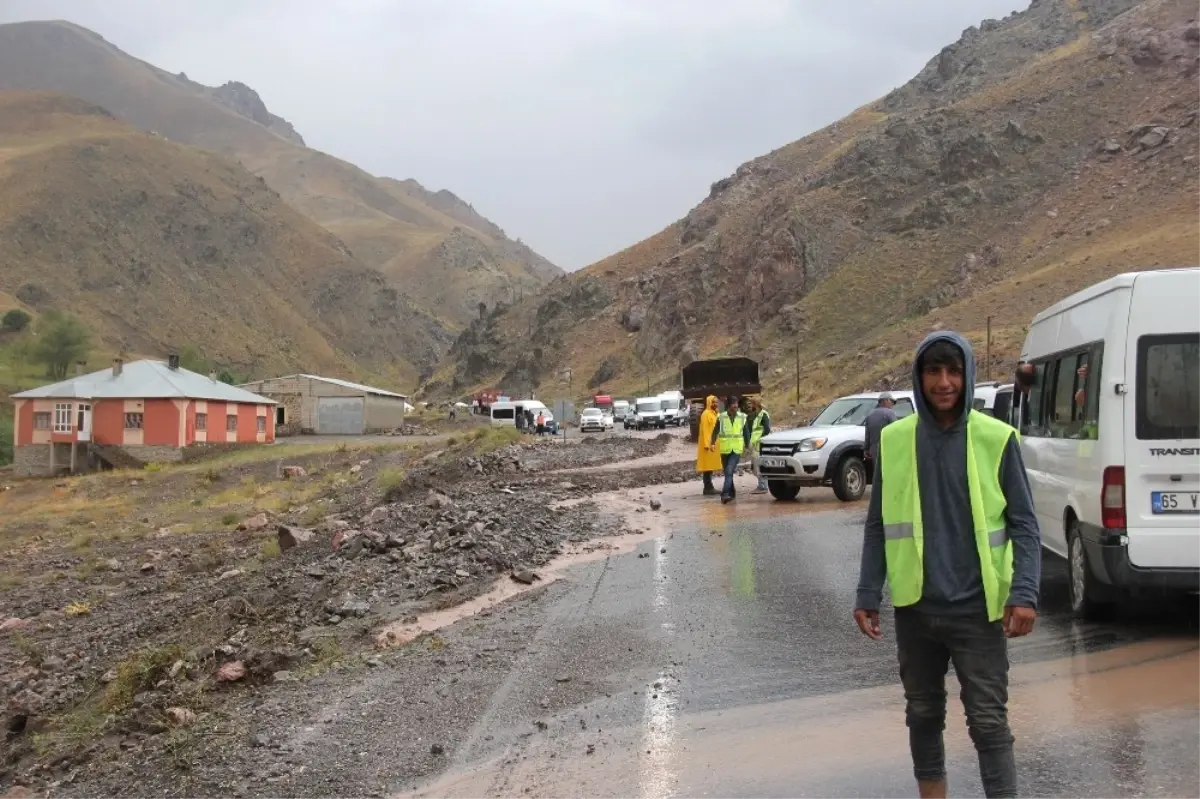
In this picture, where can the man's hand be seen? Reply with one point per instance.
(1018, 621)
(868, 622)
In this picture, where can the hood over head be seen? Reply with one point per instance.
(710, 402)
(968, 396)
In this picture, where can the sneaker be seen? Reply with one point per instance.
(726, 499)
(759, 491)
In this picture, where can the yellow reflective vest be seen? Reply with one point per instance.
(732, 438)
(756, 429)
(904, 535)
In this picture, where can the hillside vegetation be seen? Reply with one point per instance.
(157, 246)
(1036, 155)
(432, 247)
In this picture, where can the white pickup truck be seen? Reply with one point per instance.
(828, 452)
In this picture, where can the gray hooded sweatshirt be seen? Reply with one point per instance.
(953, 582)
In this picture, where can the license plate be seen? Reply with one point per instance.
(773, 463)
(1175, 501)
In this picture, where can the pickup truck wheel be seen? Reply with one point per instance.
(783, 491)
(850, 479)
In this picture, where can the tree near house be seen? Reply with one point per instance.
(191, 359)
(61, 341)
(14, 321)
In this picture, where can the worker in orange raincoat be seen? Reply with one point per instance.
(708, 459)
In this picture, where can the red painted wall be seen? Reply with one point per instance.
(160, 424)
(108, 422)
(247, 431)
(24, 424)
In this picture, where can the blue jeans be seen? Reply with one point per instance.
(729, 463)
(927, 645)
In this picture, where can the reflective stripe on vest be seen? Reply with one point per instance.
(903, 530)
(756, 429)
(731, 438)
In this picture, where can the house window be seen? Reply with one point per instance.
(62, 418)
(134, 421)
(231, 423)
(41, 420)
(201, 422)
(262, 424)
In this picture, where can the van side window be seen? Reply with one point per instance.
(1091, 398)
(1168, 387)
(1033, 421)
(903, 407)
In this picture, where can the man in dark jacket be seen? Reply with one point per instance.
(942, 537)
(879, 418)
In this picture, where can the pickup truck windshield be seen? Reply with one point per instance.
(845, 411)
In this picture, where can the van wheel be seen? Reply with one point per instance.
(1090, 599)
(783, 491)
(850, 479)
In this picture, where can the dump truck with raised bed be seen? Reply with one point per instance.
(721, 377)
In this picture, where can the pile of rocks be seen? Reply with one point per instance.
(413, 430)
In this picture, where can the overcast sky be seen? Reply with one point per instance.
(580, 126)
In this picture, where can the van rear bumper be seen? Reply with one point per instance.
(1110, 564)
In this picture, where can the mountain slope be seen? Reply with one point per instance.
(1026, 161)
(432, 246)
(157, 246)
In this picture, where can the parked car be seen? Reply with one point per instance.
(592, 420)
(828, 452)
(1111, 436)
(994, 399)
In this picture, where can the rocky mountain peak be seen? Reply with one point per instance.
(247, 102)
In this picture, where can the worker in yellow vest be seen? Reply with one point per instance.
(729, 436)
(758, 424)
(951, 527)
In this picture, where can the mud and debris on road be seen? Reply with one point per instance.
(140, 611)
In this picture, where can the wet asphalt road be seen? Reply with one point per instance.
(720, 659)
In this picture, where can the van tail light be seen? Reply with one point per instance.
(1112, 498)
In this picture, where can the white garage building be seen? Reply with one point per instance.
(310, 404)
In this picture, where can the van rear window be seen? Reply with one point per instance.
(1168, 387)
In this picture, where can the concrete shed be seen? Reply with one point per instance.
(310, 404)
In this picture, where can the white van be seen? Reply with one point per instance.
(504, 414)
(620, 410)
(1111, 435)
(674, 407)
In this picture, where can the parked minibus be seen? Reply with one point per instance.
(1111, 435)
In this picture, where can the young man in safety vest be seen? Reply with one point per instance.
(951, 527)
(758, 424)
(729, 436)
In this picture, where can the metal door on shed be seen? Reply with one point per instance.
(340, 416)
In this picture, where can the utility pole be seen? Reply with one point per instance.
(797, 374)
(989, 348)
